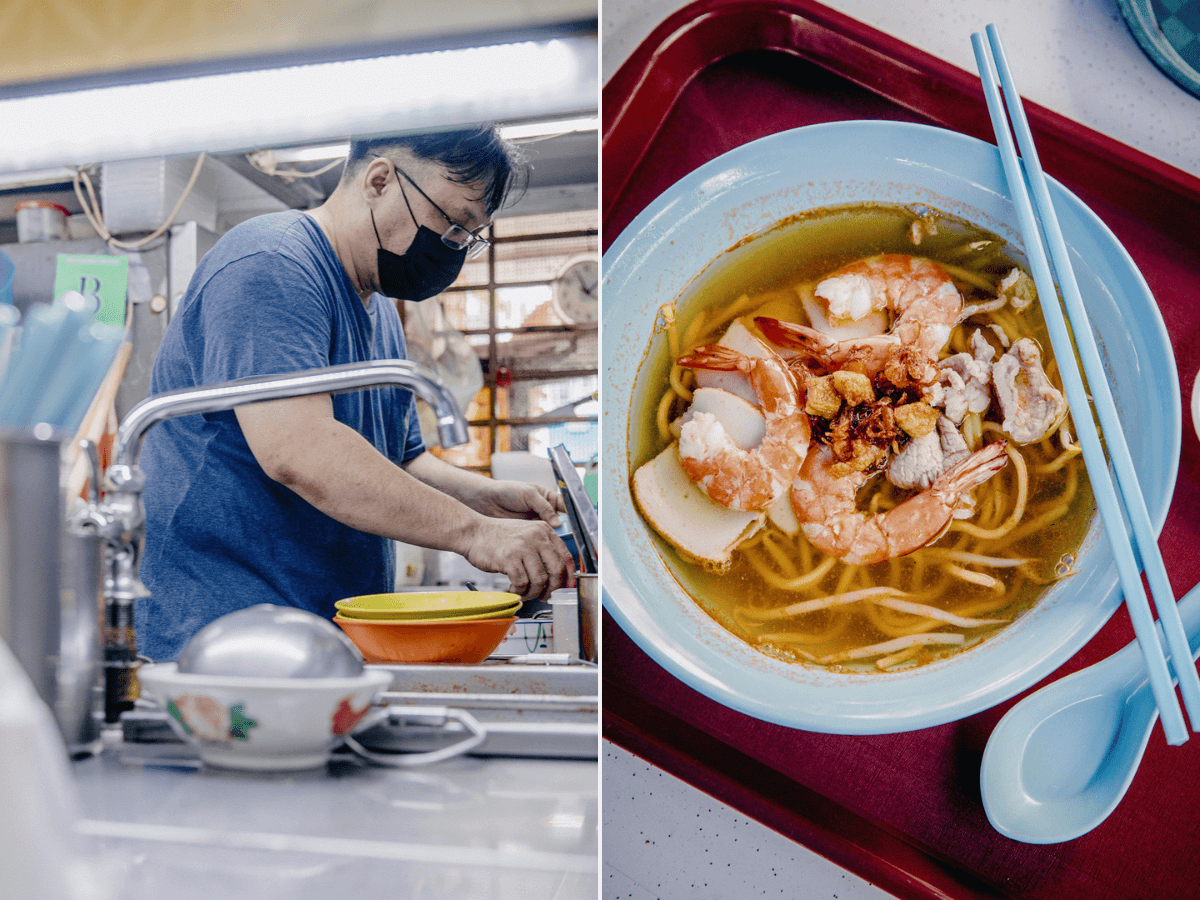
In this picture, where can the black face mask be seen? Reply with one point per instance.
(426, 269)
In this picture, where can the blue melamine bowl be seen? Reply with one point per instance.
(747, 191)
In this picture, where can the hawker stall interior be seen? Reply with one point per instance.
(435, 732)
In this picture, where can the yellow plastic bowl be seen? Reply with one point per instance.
(373, 615)
(431, 605)
(462, 641)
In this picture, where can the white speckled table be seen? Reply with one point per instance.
(665, 839)
(662, 838)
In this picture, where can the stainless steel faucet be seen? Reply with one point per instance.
(120, 518)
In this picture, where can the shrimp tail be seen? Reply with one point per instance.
(801, 338)
(971, 472)
(716, 358)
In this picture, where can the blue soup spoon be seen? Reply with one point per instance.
(1060, 761)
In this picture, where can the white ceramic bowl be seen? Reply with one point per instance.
(240, 722)
(750, 189)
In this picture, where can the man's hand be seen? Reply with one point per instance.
(535, 561)
(518, 500)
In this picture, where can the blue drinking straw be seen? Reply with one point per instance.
(45, 339)
(73, 385)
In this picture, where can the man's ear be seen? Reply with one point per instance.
(375, 178)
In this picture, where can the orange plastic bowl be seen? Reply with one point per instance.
(459, 641)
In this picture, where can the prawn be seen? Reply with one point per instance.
(919, 293)
(734, 477)
(825, 506)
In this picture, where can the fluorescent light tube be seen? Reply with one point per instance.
(297, 104)
(549, 129)
(322, 153)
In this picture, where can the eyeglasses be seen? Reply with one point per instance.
(456, 236)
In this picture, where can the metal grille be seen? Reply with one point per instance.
(540, 371)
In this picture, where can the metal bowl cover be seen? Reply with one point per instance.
(267, 641)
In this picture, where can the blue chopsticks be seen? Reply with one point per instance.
(990, 58)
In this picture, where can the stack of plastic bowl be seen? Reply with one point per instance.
(444, 626)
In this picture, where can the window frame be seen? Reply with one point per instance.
(497, 374)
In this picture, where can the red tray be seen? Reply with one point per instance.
(904, 810)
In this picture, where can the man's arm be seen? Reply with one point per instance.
(301, 445)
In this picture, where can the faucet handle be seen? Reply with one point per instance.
(91, 516)
(125, 479)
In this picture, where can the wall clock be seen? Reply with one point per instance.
(576, 291)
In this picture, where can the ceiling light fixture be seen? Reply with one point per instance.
(296, 104)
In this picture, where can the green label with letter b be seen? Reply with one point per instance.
(102, 279)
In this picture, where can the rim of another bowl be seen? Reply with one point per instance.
(168, 674)
(501, 613)
(455, 622)
(455, 602)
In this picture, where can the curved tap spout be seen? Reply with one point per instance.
(452, 427)
(121, 516)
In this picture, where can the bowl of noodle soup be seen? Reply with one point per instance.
(1022, 585)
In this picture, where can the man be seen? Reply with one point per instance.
(296, 501)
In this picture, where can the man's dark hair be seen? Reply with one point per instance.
(471, 155)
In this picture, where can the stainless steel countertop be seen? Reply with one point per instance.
(464, 828)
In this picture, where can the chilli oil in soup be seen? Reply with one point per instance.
(888, 420)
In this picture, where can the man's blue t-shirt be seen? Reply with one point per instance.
(270, 298)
